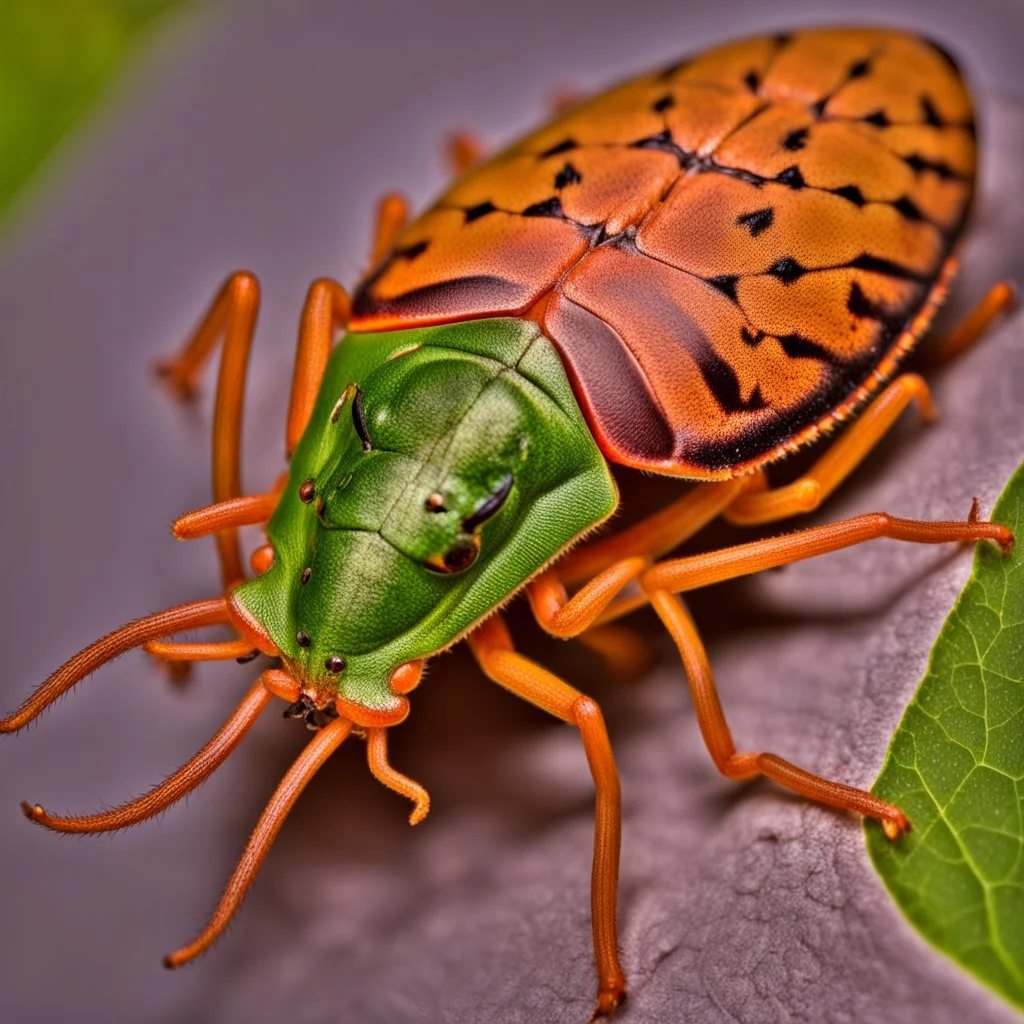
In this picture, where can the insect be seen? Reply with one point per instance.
(694, 274)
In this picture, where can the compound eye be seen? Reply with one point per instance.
(461, 555)
(464, 552)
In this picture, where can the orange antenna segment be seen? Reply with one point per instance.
(175, 786)
(323, 744)
(195, 614)
(226, 515)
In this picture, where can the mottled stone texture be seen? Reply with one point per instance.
(259, 136)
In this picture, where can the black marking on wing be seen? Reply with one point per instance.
(919, 164)
(722, 381)
(757, 221)
(440, 294)
(796, 346)
(877, 265)
(787, 270)
(568, 175)
(545, 208)
(863, 307)
(880, 119)
(791, 178)
(931, 115)
(560, 147)
(410, 252)
(725, 283)
(480, 210)
(664, 142)
(850, 193)
(667, 102)
(795, 140)
(908, 208)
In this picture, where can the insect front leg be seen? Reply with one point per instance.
(493, 649)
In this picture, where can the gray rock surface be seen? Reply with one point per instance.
(258, 135)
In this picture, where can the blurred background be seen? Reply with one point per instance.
(147, 149)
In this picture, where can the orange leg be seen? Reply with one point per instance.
(194, 615)
(681, 574)
(610, 564)
(842, 458)
(464, 152)
(214, 651)
(251, 510)
(1001, 298)
(233, 317)
(718, 738)
(392, 216)
(665, 579)
(377, 758)
(492, 648)
(654, 536)
(173, 788)
(327, 308)
(624, 651)
(316, 752)
(565, 617)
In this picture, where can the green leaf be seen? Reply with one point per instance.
(56, 56)
(956, 768)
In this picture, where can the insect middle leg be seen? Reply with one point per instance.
(609, 565)
(492, 647)
(665, 579)
(740, 766)
(563, 616)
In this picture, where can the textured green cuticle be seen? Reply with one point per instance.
(453, 414)
(956, 768)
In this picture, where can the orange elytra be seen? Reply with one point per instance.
(730, 254)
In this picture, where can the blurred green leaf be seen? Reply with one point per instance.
(956, 768)
(55, 58)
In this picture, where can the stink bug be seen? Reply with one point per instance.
(694, 274)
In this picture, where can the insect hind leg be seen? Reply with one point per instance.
(1001, 298)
